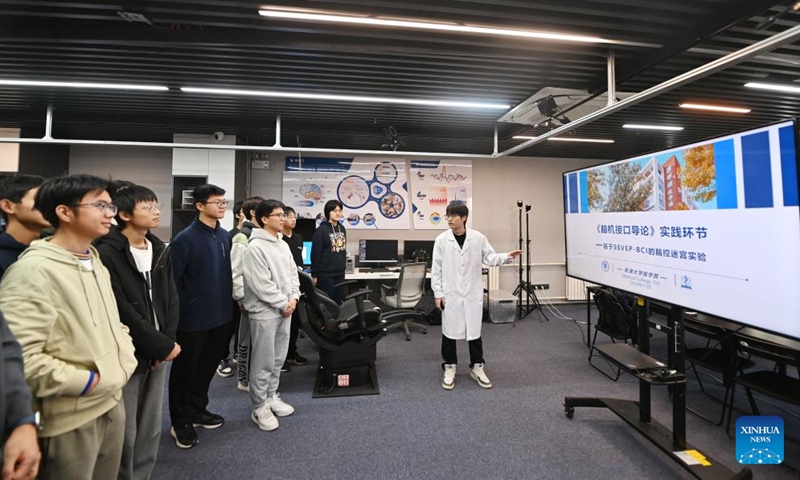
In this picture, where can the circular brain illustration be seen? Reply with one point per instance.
(353, 191)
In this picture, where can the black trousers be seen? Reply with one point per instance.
(193, 371)
(326, 285)
(233, 333)
(450, 356)
(294, 332)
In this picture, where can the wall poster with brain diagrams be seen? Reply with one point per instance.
(373, 191)
(436, 183)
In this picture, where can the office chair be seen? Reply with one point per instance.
(404, 296)
(615, 321)
(346, 335)
(720, 357)
(773, 383)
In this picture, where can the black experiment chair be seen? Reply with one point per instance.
(720, 356)
(773, 383)
(346, 335)
(404, 296)
(615, 321)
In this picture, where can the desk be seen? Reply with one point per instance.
(359, 275)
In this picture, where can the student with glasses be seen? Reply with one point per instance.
(147, 300)
(458, 257)
(201, 261)
(59, 302)
(271, 292)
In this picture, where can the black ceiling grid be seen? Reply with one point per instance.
(205, 43)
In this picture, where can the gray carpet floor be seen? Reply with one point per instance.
(416, 429)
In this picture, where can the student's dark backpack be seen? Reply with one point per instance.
(616, 320)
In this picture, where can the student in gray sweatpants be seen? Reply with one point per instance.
(271, 291)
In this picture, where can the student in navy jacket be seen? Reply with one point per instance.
(201, 260)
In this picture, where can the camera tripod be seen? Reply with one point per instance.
(531, 301)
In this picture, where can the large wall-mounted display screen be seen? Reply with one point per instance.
(713, 227)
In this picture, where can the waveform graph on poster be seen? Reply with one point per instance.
(712, 227)
(373, 191)
(434, 185)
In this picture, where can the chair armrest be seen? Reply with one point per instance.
(359, 293)
(346, 282)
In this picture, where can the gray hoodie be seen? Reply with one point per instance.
(270, 276)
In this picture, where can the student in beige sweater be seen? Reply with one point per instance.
(77, 354)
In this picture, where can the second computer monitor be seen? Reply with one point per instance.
(377, 251)
(418, 251)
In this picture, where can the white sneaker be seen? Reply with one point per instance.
(263, 417)
(449, 378)
(243, 386)
(279, 407)
(479, 375)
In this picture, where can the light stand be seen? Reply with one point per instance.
(529, 307)
(518, 291)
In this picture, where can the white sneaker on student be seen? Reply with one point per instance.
(449, 378)
(263, 417)
(477, 373)
(279, 407)
(243, 386)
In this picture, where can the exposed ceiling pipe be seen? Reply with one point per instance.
(48, 124)
(200, 146)
(277, 131)
(612, 78)
(765, 45)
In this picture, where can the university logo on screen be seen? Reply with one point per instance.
(759, 440)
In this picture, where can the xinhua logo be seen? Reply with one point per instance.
(759, 440)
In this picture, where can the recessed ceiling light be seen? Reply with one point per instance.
(424, 25)
(714, 108)
(773, 87)
(567, 139)
(347, 98)
(116, 86)
(652, 127)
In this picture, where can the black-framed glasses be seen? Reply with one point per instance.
(102, 206)
(219, 203)
(281, 215)
(153, 207)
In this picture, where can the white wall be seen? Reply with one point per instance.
(497, 185)
(9, 152)
(147, 166)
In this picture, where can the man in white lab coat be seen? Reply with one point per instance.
(458, 257)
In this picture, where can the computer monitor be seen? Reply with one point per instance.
(377, 251)
(306, 253)
(418, 251)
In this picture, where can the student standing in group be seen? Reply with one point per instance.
(237, 264)
(228, 363)
(24, 223)
(295, 242)
(60, 305)
(147, 300)
(458, 257)
(329, 252)
(271, 292)
(201, 261)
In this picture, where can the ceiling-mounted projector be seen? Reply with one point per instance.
(557, 106)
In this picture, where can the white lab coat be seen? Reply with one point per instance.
(456, 276)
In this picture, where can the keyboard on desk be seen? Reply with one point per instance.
(372, 269)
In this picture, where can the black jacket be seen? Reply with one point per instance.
(10, 249)
(15, 396)
(133, 300)
(296, 246)
(328, 250)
